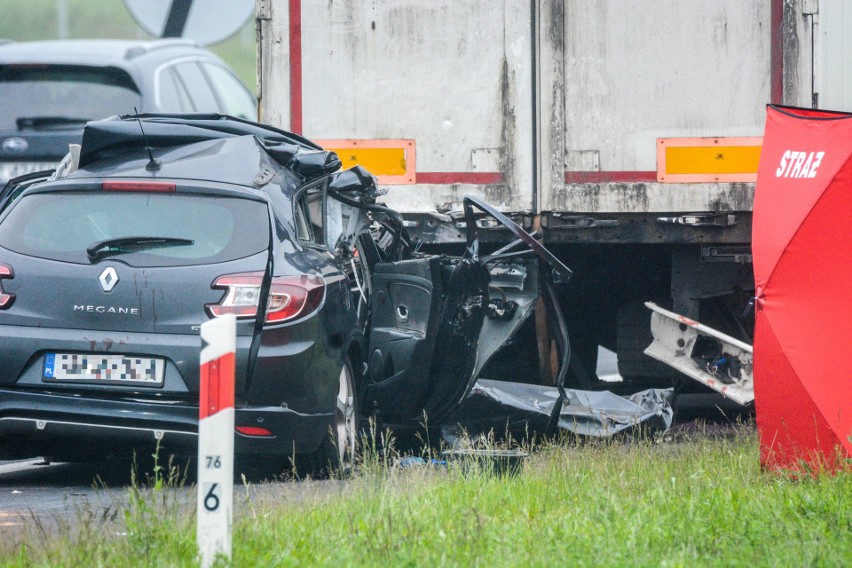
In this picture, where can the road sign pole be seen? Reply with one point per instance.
(216, 439)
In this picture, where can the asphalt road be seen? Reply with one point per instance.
(53, 492)
(37, 496)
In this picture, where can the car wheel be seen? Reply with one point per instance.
(346, 418)
(336, 454)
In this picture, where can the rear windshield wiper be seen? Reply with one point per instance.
(48, 121)
(132, 244)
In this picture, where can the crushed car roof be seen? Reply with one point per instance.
(199, 146)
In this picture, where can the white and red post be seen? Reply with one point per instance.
(216, 439)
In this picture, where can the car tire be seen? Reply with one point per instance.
(336, 453)
(346, 418)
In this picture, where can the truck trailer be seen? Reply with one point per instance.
(627, 135)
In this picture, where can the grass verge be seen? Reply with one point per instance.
(699, 501)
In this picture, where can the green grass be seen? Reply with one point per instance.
(699, 502)
(23, 20)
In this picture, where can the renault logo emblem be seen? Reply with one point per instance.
(108, 279)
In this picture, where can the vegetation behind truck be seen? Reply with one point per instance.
(628, 136)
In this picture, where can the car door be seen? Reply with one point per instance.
(406, 308)
(399, 299)
(436, 323)
(430, 325)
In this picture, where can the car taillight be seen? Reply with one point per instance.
(140, 186)
(254, 431)
(6, 299)
(290, 297)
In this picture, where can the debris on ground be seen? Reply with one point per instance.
(525, 409)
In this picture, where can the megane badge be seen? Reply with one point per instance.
(108, 279)
(15, 144)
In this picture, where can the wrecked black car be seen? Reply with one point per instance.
(158, 223)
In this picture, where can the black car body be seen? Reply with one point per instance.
(50, 89)
(117, 260)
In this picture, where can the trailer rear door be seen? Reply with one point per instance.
(613, 79)
(436, 98)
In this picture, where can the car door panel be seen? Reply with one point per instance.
(406, 308)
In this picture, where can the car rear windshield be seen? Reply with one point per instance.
(63, 226)
(40, 96)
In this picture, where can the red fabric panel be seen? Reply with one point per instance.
(808, 304)
(460, 177)
(790, 426)
(782, 200)
(611, 177)
(802, 240)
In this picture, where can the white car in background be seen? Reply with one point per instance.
(51, 89)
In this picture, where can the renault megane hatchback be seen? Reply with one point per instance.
(162, 222)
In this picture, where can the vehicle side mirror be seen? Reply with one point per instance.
(314, 163)
(354, 180)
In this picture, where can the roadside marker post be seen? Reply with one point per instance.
(216, 439)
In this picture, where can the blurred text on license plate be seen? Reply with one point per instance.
(101, 367)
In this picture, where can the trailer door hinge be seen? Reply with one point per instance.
(739, 254)
(810, 7)
(263, 9)
(702, 220)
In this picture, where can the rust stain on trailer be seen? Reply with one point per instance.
(736, 197)
(556, 38)
(557, 23)
(629, 196)
(790, 54)
(508, 131)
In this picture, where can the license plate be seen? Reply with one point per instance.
(93, 367)
(9, 170)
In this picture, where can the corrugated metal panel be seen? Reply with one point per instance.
(607, 79)
(632, 74)
(455, 77)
